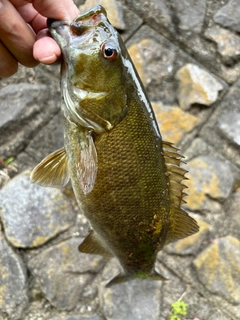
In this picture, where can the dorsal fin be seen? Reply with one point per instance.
(53, 171)
(181, 225)
(176, 174)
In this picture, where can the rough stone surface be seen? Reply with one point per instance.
(208, 177)
(229, 125)
(163, 17)
(93, 317)
(21, 105)
(32, 215)
(210, 131)
(228, 44)
(152, 61)
(173, 122)
(218, 268)
(190, 14)
(69, 271)
(138, 299)
(196, 86)
(232, 206)
(229, 15)
(48, 140)
(114, 11)
(13, 281)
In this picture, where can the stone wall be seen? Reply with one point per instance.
(188, 55)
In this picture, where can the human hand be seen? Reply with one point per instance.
(20, 43)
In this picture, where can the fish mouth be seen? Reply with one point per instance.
(54, 24)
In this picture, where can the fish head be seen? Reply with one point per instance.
(94, 84)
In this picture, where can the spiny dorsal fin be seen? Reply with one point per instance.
(53, 171)
(87, 163)
(92, 245)
(176, 174)
(181, 225)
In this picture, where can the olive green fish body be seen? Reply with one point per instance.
(127, 181)
(129, 204)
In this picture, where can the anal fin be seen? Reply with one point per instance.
(92, 245)
(53, 171)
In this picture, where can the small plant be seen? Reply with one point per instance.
(179, 308)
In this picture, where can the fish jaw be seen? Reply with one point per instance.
(93, 88)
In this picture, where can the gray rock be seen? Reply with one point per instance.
(162, 16)
(13, 282)
(93, 317)
(229, 125)
(232, 206)
(157, 60)
(15, 98)
(218, 268)
(208, 177)
(196, 86)
(48, 140)
(133, 300)
(63, 272)
(190, 14)
(229, 15)
(198, 306)
(31, 214)
(154, 62)
(21, 114)
(210, 132)
(228, 44)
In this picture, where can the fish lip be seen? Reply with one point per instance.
(54, 24)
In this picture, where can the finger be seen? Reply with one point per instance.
(60, 10)
(45, 48)
(16, 35)
(30, 15)
(8, 64)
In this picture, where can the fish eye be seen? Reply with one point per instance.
(109, 52)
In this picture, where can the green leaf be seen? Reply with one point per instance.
(179, 307)
(8, 161)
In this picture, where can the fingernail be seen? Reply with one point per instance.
(49, 59)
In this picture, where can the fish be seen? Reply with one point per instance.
(126, 179)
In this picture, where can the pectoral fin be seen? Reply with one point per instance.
(92, 245)
(87, 164)
(53, 171)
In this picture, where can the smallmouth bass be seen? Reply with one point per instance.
(127, 181)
